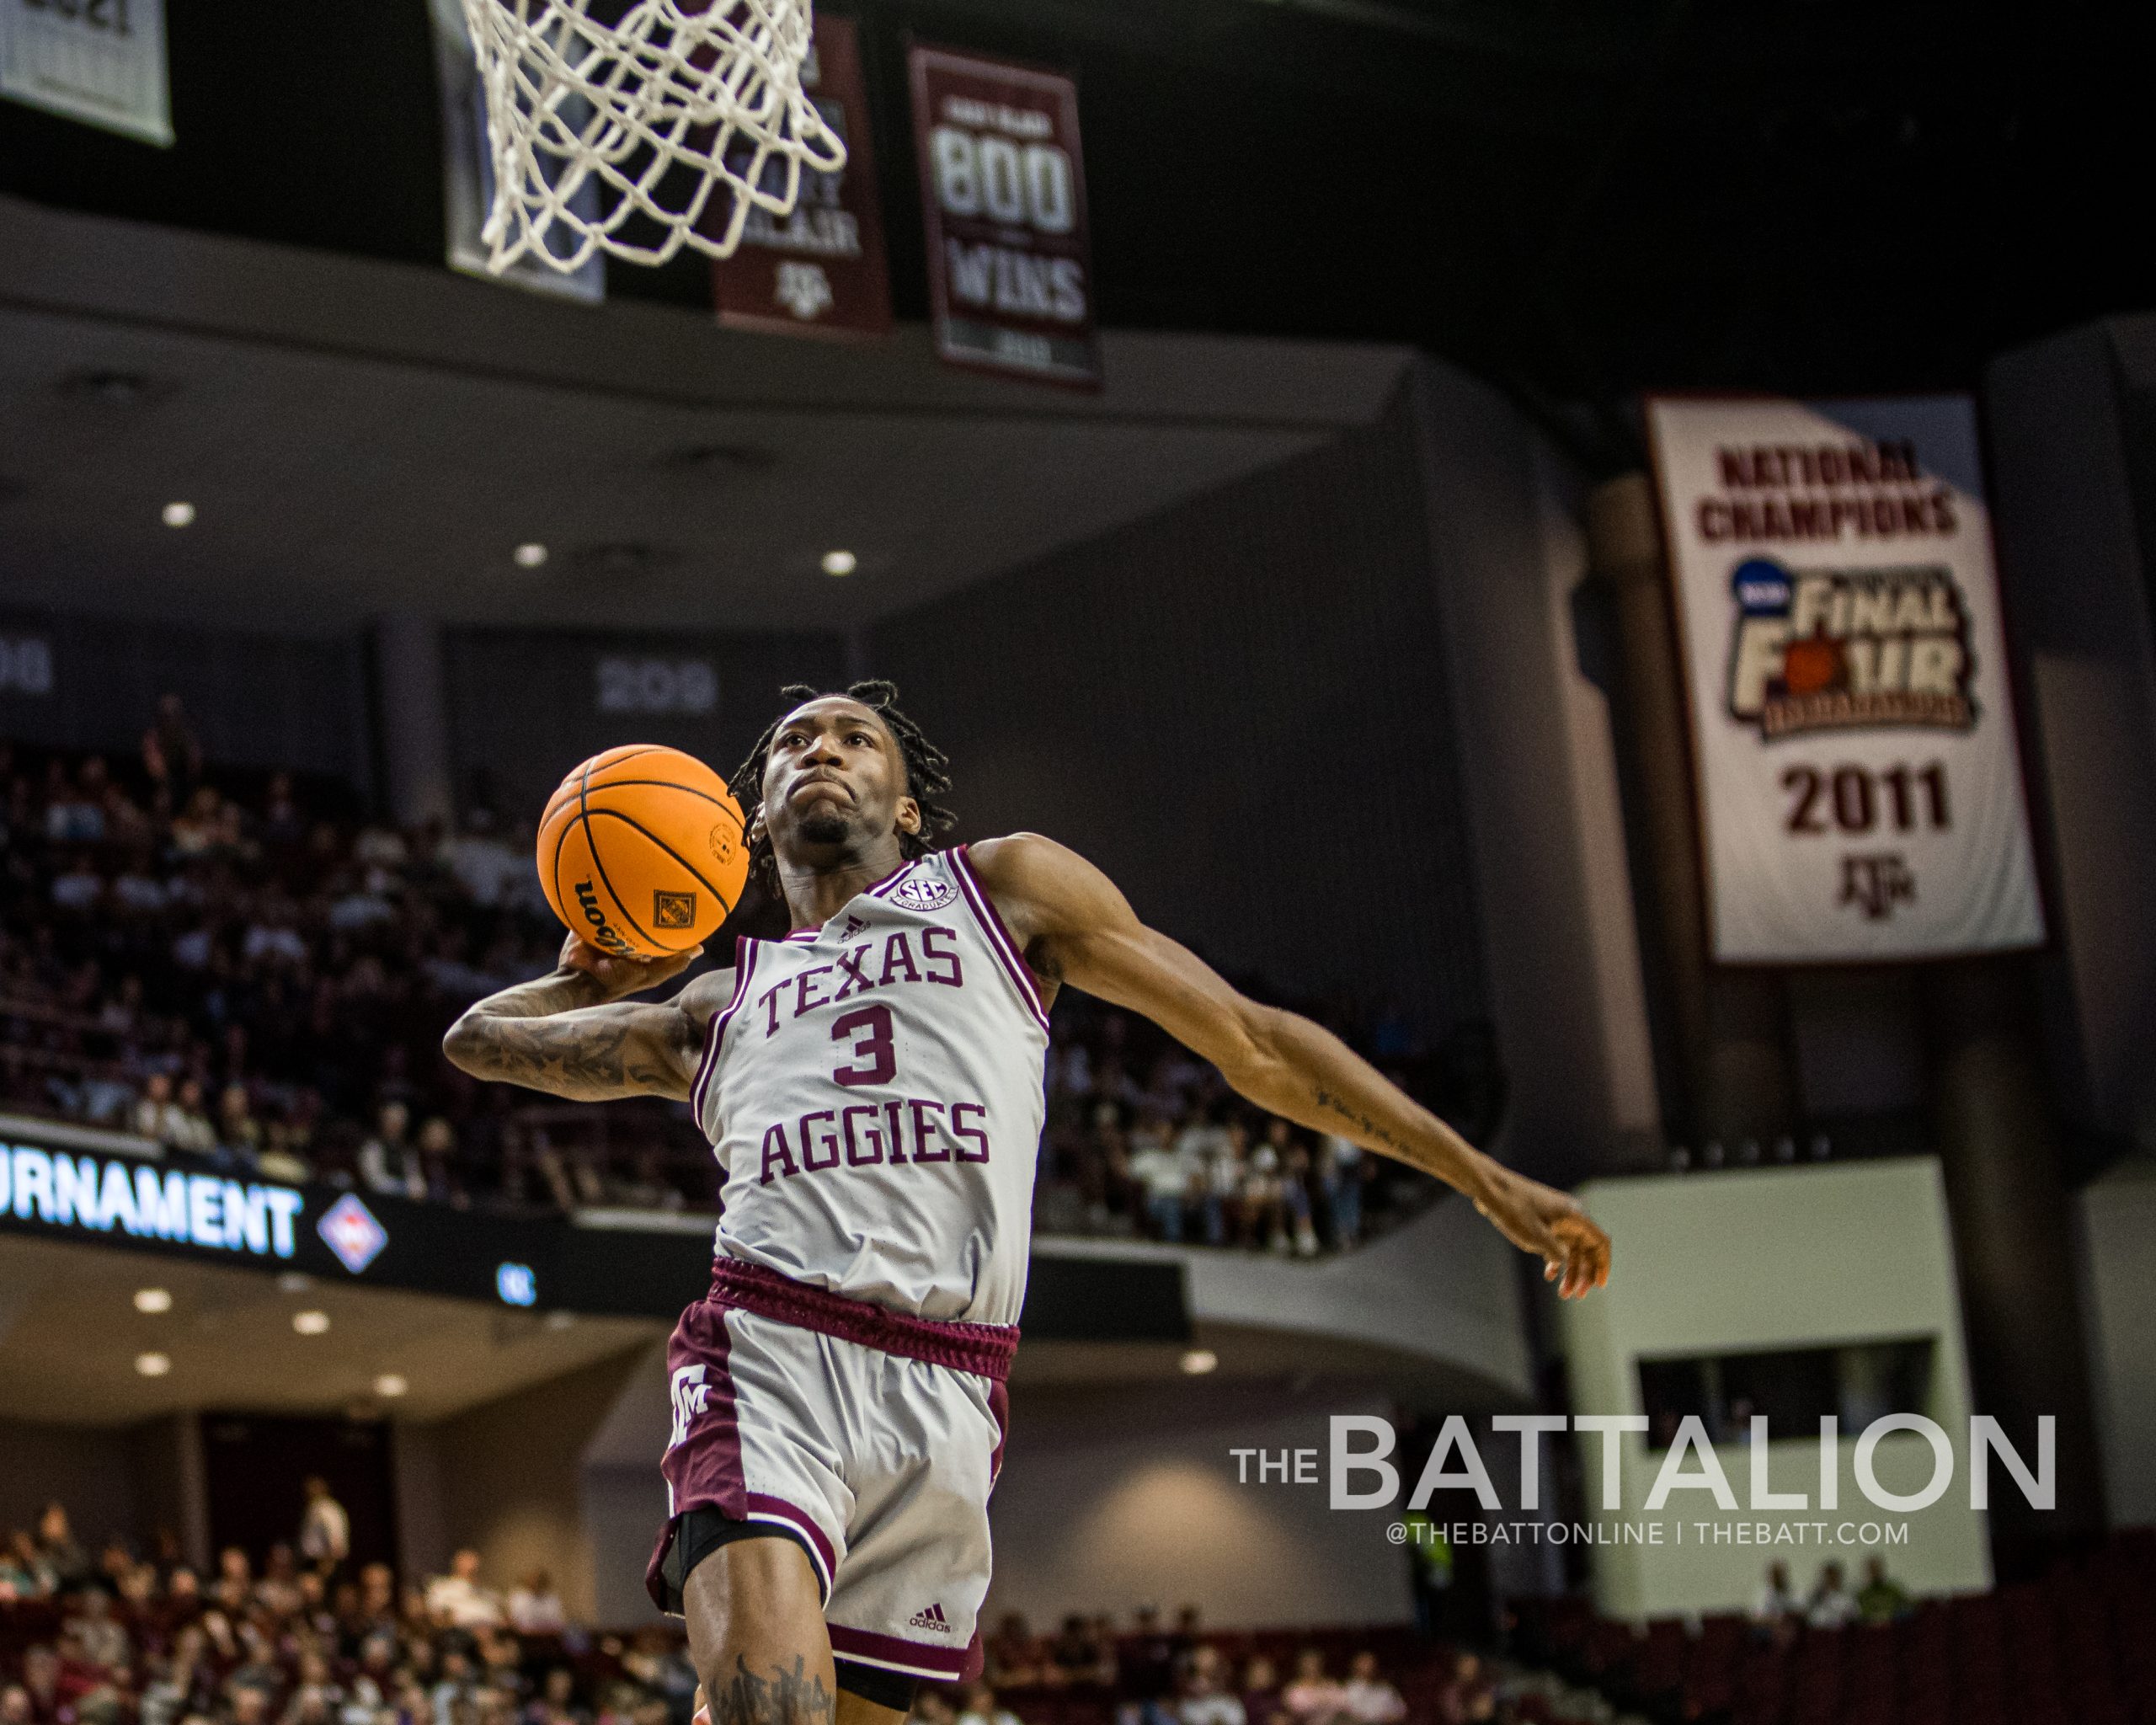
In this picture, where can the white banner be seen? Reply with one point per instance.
(1852, 723)
(102, 62)
(467, 169)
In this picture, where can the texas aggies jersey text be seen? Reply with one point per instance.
(873, 1091)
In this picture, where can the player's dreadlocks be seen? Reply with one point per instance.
(927, 771)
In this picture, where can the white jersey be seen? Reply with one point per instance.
(873, 1091)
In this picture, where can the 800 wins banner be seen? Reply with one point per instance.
(1003, 186)
(1859, 779)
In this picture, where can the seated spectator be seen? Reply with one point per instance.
(1081, 1655)
(1310, 1698)
(25, 1574)
(1203, 1697)
(930, 1707)
(80, 887)
(534, 1608)
(1261, 1691)
(1012, 1656)
(233, 1590)
(389, 1163)
(1145, 1670)
(555, 1703)
(57, 1544)
(456, 1600)
(171, 752)
(102, 1640)
(1467, 1695)
(977, 1707)
(180, 1122)
(1366, 1697)
(1881, 1598)
(1777, 1601)
(1831, 1605)
(1163, 1176)
(238, 1130)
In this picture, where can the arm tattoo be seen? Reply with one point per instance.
(1334, 1104)
(582, 1058)
(517, 1037)
(795, 1697)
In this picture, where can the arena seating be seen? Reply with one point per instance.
(125, 1646)
(2075, 1649)
(244, 967)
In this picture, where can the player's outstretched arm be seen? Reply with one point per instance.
(573, 1034)
(1075, 927)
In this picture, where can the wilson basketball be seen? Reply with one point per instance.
(641, 850)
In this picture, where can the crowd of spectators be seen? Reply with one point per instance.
(248, 971)
(112, 1638)
(109, 1637)
(1781, 1611)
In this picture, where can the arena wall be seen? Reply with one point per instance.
(1244, 765)
(1758, 1260)
(2117, 1227)
(505, 1479)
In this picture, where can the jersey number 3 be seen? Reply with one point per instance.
(874, 1059)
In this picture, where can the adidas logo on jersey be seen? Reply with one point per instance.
(932, 1618)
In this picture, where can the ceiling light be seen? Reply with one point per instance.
(311, 1324)
(530, 555)
(295, 1282)
(153, 1366)
(840, 562)
(180, 515)
(152, 1300)
(390, 1385)
(1199, 1361)
(560, 1320)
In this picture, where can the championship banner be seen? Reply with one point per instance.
(820, 270)
(467, 171)
(1003, 191)
(100, 62)
(1859, 779)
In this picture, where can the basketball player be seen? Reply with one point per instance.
(872, 1086)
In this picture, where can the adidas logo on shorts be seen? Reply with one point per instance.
(932, 1618)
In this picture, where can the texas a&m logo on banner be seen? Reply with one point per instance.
(1859, 779)
(1003, 188)
(819, 270)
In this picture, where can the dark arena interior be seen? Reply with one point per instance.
(1587, 570)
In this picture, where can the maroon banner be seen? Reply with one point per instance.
(820, 270)
(1003, 188)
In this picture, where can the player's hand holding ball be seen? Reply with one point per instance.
(641, 854)
(619, 977)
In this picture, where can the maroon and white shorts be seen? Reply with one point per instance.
(873, 1436)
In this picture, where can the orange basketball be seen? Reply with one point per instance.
(641, 850)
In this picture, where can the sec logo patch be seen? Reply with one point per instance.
(923, 893)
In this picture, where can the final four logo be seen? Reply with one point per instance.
(1834, 650)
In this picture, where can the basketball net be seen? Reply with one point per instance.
(679, 98)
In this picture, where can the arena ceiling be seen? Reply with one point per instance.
(356, 437)
(1575, 199)
(71, 1336)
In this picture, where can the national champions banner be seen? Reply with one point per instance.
(819, 270)
(1860, 783)
(1003, 192)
